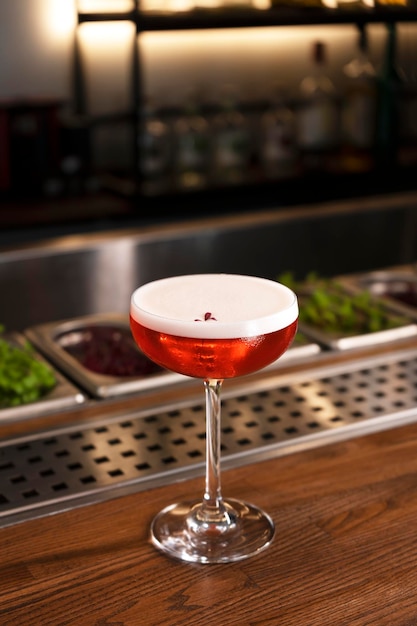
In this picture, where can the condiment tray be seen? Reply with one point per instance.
(63, 395)
(388, 284)
(347, 342)
(404, 328)
(53, 339)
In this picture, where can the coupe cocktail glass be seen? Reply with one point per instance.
(212, 327)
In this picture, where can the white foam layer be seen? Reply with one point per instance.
(243, 306)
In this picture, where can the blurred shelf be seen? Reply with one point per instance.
(24, 212)
(257, 193)
(305, 189)
(253, 18)
(120, 204)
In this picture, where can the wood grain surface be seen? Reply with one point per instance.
(345, 551)
(344, 554)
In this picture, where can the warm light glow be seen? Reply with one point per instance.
(207, 4)
(246, 38)
(108, 37)
(261, 4)
(252, 59)
(177, 6)
(105, 6)
(107, 50)
(59, 19)
(169, 6)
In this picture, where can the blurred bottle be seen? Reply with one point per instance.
(407, 114)
(231, 141)
(191, 146)
(390, 92)
(277, 147)
(317, 115)
(407, 131)
(359, 111)
(154, 146)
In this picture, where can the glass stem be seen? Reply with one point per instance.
(212, 502)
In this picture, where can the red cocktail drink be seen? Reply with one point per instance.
(213, 358)
(213, 326)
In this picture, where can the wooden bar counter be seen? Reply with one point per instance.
(344, 554)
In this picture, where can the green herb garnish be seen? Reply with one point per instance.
(23, 378)
(325, 305)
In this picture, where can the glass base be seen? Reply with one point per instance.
(185, 531)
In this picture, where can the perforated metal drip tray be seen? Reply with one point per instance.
(127, 453)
